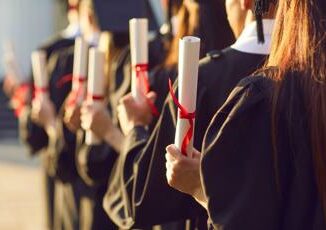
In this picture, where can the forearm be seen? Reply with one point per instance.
(34, 136)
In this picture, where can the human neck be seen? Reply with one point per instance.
(251, 17)
(91, 34)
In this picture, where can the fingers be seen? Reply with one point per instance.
(126, 100)
(152, 96)
(174, 151)
(196, 154)
(173, 157)
(85, 108)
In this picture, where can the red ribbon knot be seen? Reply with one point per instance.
(184, 114)
(95, 97)
(19, 98)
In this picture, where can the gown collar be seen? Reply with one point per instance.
(248, 40)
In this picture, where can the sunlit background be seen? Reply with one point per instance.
(26, 23)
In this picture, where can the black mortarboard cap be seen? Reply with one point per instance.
(114, 15)
(261, 7)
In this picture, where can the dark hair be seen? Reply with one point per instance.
(210, 24)
(116, 43)
(299, 46)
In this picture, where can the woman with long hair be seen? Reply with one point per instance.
(263, 163)
(206, 19)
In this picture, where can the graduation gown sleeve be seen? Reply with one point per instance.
(237, 165)
(33, 136)
(94, 162)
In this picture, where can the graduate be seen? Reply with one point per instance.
(202, 26)
(262, 164)
(31, 133)
(46, 123)
(228, 66)
(94, 162)
(206, 9)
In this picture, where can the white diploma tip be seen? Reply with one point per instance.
(191, 39)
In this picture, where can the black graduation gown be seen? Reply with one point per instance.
(247, 186)
(56, 43)
(60, 64)
(34, 136)
(58, 154)
(140, 187)
(95, 162)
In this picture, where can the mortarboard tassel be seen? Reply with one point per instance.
(261, 7)
(260, 29)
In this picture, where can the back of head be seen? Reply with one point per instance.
(301, 26)
(87, 17)
(114, 15)
(213, 27)
(299, 45)
(205, 19)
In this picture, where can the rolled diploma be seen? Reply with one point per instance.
(40, 73)
(80, 67)
(11, 64)
(187, 86)
(138, 28)
(95, 86)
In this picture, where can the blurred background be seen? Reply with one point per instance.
(26, 23)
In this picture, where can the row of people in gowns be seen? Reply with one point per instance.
(246, 176)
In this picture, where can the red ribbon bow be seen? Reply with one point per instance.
(19, 98)
(184, 114)
(142, 79)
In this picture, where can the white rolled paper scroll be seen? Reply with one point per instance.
(95, 87)
(80, 68)
(187, 89)
(11, 63)
(138, 28)
(40, 73)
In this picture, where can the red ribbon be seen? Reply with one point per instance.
(73, 7)
(142, 79)
(19, 98)
(75, 93)
(39, 90)
(184, 114)
(68, 78)
(95, 97)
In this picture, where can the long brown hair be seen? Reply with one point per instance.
(206, 20)
(112, 44)
(299, 46)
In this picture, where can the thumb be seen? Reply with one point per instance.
(151, 96)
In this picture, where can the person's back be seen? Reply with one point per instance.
(278, 191)
(263, 163)
(218, 74)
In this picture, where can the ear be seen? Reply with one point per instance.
(246, 4)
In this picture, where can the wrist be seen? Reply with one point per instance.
(199, 196)
(138, 124)
(49, 124)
